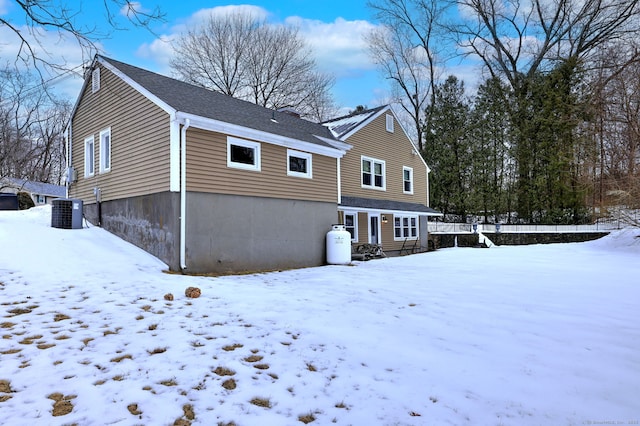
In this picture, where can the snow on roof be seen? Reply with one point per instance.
(343, 125)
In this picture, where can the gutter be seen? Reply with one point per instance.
(183, 194)
(334, 149)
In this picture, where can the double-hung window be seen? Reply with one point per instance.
(243, 154)
(298, 164)
(407, 180)
(373, 172)
(89, 157)
(105, 150)
(405, 227)
(351, 225)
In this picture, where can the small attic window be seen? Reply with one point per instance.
(95, 80)
(389, 123)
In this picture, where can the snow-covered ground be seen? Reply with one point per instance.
(532, 335)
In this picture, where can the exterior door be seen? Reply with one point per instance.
(374, 229)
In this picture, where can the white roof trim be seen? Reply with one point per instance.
(383, 211)
(339, 145)
(153, 98)
(258, 135)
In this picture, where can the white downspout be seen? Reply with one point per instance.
(69, 147)
(339, 183)
(183, 194)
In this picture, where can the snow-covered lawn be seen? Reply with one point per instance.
(537, 335)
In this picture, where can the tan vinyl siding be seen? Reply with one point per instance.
(387, 233)
(207, 171)
(363, 227)
(396, 151)
(396, 246)
(139, 141)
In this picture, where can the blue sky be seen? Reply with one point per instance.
(332, 28)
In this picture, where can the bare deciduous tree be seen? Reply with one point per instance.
(539, 47)
(31, 129)
(615, 128)
(61, 18)
(518, 38)
(407, 52)
(244, 57)
(213, 54)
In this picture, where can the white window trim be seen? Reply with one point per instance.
(384, 174)
(355, 225)
(407, 237)
(389, 123)
(95, 80)
(306, 156)
(87, 171)
(410, 169)
(247, 144)
(105, 167)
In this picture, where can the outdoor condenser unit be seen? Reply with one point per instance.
(66, 213)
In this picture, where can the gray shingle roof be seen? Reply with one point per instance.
(38, 188)
(389, 205)
(206, 103)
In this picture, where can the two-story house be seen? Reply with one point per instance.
(213, 184)
(384, 182)
(203, 181)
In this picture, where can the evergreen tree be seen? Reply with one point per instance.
(548, 189)
(447, 149)
(492, 166)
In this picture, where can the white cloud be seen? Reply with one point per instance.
(244, 9)
(339, 46)
(203, 15)
(160, 51)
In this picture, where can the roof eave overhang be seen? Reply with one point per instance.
(392, 211)
(259, 135)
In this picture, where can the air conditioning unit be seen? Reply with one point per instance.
(66, 213)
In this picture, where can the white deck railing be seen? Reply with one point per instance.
(467, 227)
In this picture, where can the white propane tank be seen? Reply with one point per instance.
(338, 245)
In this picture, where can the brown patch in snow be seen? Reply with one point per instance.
(192, 292)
